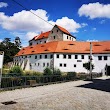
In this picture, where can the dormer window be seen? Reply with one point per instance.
(30, 43)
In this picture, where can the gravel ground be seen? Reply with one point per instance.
(74, 95)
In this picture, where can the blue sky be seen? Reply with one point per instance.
(85, 19)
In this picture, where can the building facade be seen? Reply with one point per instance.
(59, 49)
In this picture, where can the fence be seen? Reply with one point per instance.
(12, 82)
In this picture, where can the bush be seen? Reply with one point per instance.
(71, 74)
(47, 71)
(32, 73)
(57, 72)
(15, 71)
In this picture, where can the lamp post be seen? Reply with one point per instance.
(91, 60)
(1, 65)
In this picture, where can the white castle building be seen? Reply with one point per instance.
(59, 49)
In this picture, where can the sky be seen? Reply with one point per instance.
(84, 19)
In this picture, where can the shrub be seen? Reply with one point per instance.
(71, 74)
(31, 73)
(57, 71)
(47, 71)
(15, 71)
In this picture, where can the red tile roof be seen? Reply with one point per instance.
(66, 47)
(42, 35)
(46, 34)
(64, 30)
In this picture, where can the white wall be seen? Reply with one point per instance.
(71, 62)
(69, 38)
(99, 64)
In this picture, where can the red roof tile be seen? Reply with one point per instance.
(42, 35)
(66, 47)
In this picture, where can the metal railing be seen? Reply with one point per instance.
(12, 82)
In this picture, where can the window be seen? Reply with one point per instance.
(36, 57)
(64, 64)
(40, 56)
(74, 65)
(67, 37)
(69, 56)
(51, 56)
(44, 41)
(99, 57)
(29, 56)
(76, 56)
(64, 56)
(47, 64)
(57, 30)
(60, 64)
(35, 63)
(25, 56)
(54, 37)
(45, 56)
(43, 64)
(82, 56)
(57, 55)
(30, 43)
(105, 57)
(52, 31)
(88, 57)
(38, 64)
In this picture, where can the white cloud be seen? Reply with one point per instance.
(30, 35)
(102, 22)
(94, 29)
(84, 24)
(95, 10)
(1, 40)
(68, 24)
(26, 21)
(26, 25)
(2, 4)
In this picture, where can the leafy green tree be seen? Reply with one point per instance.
(9, 48)
(47, 71)
(87, 66)
(15, 71)
(18, 42)
(57, 71)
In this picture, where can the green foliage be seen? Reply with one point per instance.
(9, 48)
(47, 71)
(15, 71)
(57, 71)
(87, 66)
(32, 73)
(71, 74)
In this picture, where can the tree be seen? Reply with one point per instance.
(9, 48)
(18, 42)
(87, 66)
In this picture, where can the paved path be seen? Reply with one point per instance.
(76, 95)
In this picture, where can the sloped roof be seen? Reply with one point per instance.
(41, 36)
(64, 30)
(66, 47)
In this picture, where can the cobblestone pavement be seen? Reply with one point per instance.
(62, 96)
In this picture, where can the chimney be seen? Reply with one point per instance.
(41, 32)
